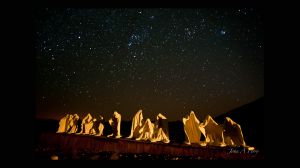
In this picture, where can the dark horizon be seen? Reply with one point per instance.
(168, 61)
(152, 118)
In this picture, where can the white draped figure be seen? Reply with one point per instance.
(73, 124)
(68, 123)
(63, 123)
(137, 123)
(160, 129)
(115, 122)
(93, 130)
(192, 129)
(87, 124)
(146, 132)
(213, 131)
(98, 127)
(233, 133)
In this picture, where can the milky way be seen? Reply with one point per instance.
(168, 61)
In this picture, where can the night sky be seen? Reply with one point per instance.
(168, 61)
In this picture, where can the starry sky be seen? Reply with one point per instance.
(160, 60)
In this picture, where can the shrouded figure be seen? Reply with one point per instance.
(115, 122)
(73, 124)
(93, 130)
(98, 127)
(63, 123)
(68, 123)
(233, 133)
(161, 132)
(213, 131)
(146, 132)
(137, 123)
(192, 129)
(87, 124)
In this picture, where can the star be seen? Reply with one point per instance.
(129, 44)
(223, 32)
(157, 57)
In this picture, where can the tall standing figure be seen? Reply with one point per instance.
(137, 123)
(115, 122)
(192, 129)
(86, 125)
(63, 122)
(161, 132)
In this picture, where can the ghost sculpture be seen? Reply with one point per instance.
(192, 130)
(213, 131)
(161, 130)
(233, 133)
(137, 124)
(94, 129)
(115, 122)
(101, 126)
(146, 132)
(87, 124)
(73, 124)
(98, 127)
(68, 123)
(63, 123)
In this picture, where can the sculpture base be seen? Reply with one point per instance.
(74, 146)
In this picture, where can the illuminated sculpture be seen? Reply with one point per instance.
(115, 122)
(101, 127)
(213, 131)
(93, 130)
(137, 124)
(192, 129)
(68, 122)
(73, 124)
(229, 133)
(98, 127)
(87, 124)
(233, 133)
(146, 132)
(161, 129)
(63, 124)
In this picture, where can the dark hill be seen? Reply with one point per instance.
(251, 119)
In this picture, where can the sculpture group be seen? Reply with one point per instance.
(227, 134)
(153, 132)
